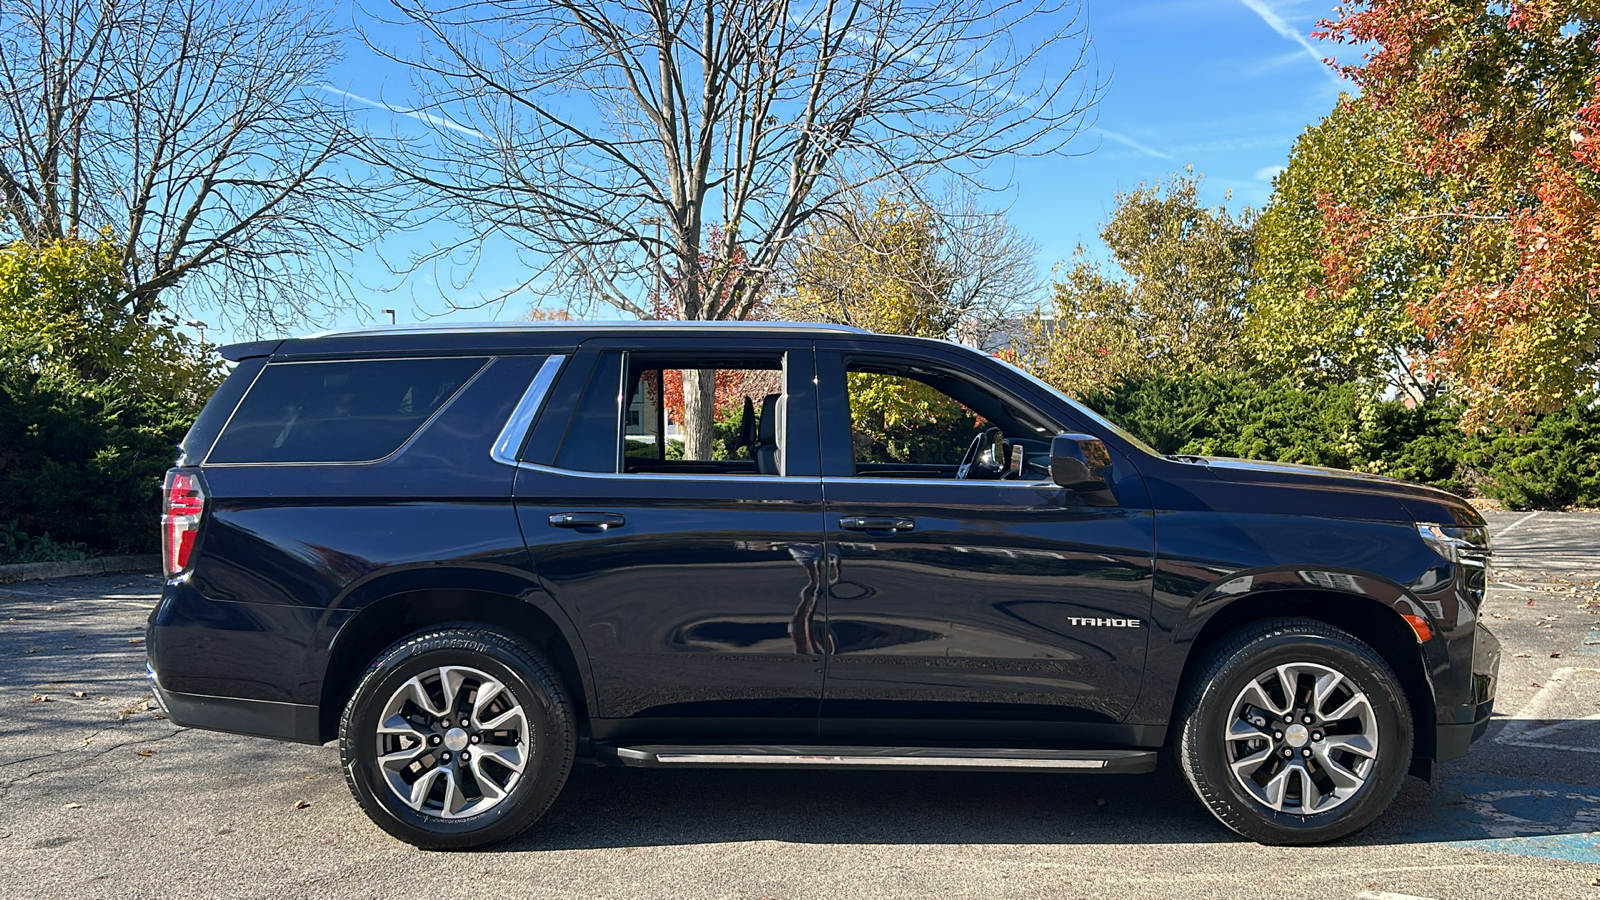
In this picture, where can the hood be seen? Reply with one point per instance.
(1422, 503)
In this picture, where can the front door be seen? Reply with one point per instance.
(1008, 602)
(694, 578)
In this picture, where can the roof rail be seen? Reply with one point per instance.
(588, 325)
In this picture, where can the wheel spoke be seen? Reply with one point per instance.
(510, 757)
(1277, 788)
(1287, 675)
(1325, 686)
(1343, 778)
(1246, 765)
(1255, 696)
(1358, 744)
(1241, 730)
(487, 691)
(1355, 706)
(499, 722)
(401, 758)
(451, 680)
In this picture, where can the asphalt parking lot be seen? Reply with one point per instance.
(101, 797)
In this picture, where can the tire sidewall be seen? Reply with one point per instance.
(543, 777)
(1212, 715)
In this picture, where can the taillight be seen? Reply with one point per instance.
(184, 500)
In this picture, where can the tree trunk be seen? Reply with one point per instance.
(699, 411)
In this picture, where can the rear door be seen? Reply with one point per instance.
(696, 583)
(1010, 605)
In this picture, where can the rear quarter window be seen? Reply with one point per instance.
(346, 411)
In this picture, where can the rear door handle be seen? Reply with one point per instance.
(877, 523)
(599, 521)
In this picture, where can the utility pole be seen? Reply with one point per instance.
(199, 326)
(389, 312)
(656, 262)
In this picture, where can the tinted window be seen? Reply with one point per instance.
(338, 411)
(638, 401)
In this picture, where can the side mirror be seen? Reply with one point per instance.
(1080, 462)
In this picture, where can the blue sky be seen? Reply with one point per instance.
(1224, 86)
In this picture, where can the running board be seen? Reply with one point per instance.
(958, 758)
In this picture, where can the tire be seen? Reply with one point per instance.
(421, 690)
(1221, 733)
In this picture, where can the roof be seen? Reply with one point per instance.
(587, 325)
(483, 335)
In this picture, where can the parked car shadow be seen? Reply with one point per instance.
(635, 808)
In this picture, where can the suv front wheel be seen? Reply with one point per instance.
(457, 738)
(1295, 732)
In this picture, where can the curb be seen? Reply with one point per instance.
(104, 565)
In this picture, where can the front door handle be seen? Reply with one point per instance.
(598, 521)
(877, 523)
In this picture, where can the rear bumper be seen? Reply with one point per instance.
(257, 718)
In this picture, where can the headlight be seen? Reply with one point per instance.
(1466, 544)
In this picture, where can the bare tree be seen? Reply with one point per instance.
(576, 129)
(195, 135)
(948, 268)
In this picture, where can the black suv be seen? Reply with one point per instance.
(476, 555)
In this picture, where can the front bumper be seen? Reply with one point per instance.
(1462, 723)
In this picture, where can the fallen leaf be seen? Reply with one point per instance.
(31, 650)
(302, 804)
(80, 695)
(135, 640)
(144, 752)
(73, 806)
(41, 698)
(1555, 656)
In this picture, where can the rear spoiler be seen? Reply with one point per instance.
(237, 352)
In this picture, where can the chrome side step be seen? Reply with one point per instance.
(956, 758)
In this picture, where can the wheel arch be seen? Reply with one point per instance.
(1368, 618)
(383, 622)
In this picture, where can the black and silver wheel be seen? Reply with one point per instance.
(457, 738)
(1295, 733)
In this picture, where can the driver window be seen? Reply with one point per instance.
(905, 423)
(900, 426)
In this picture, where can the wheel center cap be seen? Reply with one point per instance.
(1295, 735)
(455, 740)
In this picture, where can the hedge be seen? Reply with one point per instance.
(1554, 461)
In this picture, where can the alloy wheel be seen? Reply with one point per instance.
(1301, 738)
(453, 742)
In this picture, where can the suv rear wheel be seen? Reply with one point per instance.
(457, 738)
(1295, 732)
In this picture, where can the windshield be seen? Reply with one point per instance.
(1087, 413)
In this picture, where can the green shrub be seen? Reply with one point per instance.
(1553, 463)
(17, 546)
(82, 461)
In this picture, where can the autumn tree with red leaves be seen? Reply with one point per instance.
(1500, 105)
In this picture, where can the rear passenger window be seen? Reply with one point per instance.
(351, 411)
(635, 403)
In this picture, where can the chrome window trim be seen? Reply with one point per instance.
(970, 482)
(483, 367)
(505, 447)
(667, 476)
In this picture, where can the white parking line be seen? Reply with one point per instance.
(1387, 895)
(1521, 732)
(1507, 530)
